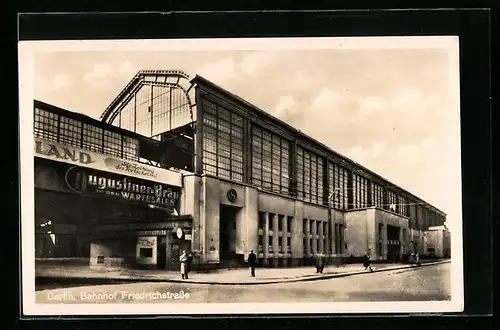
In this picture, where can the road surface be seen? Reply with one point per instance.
(429, 283)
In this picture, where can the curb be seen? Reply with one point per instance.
(306, 278)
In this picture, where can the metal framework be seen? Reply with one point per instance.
(165, 78)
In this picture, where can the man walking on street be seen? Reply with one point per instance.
(183, 261)
(252, 260)
(366, 261)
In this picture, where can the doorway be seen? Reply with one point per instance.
(227, 239)
(161, 252)
(393, 243)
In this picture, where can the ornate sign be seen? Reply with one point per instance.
(232, 195)
(71, 155)
(63, 153)
(93, 182)
(132, 168)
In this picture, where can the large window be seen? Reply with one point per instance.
(338, 180)
(143, 111)
(92, 138)
(69, 131)
(222, 142)
(360, 189)
(412, 213)
(154, 109)
(377, 195)
(403, 208)
(392, 201)
(270, 161)
(420, 216)
(112, 143)
(46, 125)
(309, 176)
(130, 148)
(127, 116)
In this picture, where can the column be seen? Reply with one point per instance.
(265, 232)
(251, 220)
(285, 235)
(210, 219)
(314, 236)
(321, 247)
(275, 238)
(297, 248)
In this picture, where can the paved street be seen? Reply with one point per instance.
(414, 284)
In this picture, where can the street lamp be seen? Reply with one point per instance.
(330, 197)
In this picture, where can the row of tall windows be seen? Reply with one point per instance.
(310, 176)
(338, 180)
(316, 237)
(360, 191)
(275, 227)
(72, 132)
(271, 165)
(270, 161)
(222, 142)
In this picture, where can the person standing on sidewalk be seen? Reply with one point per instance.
(366, 261)
(183, 261)
(319, 264)
(252, 260)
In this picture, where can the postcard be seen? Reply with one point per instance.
(240, 176)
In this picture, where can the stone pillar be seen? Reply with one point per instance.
(307, 247)
(265, 232)
(285, 236)
(251, 221)
(314, 236)
(275, 239)
(190, 204)
(297, 248)
(321, 247)
(210, 219)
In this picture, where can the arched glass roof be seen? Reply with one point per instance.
(151, 95)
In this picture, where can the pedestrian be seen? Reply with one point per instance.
(320, 265)
(252, 260)
(417, 259)
(183, 261)
(189, 262)
(366, 261)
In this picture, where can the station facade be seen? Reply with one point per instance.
(181, 164)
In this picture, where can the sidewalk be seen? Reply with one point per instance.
(238, 276)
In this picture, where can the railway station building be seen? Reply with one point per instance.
(178, 163)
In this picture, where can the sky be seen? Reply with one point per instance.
(392, 109)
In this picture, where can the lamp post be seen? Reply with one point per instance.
(330, 197)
